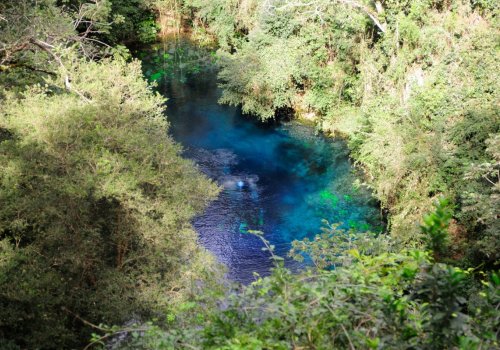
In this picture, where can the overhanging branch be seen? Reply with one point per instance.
(67, 81)
(318, 8)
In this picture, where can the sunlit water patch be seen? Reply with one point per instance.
(281, 180)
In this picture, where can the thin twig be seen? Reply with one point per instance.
(351, 345)
(85, 321)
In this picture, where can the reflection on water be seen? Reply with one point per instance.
(280, 180)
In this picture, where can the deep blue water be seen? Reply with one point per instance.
(281, 180)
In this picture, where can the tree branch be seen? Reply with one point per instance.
(319, 6)
(67, 81)
(368, 12)
(22, 65)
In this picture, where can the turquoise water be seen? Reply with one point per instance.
(282, 180)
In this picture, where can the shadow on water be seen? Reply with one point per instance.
(281, 180)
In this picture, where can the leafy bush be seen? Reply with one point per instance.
(147, 31)
(96, 204)
(374, 300)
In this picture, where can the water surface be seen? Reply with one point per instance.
(281, 180)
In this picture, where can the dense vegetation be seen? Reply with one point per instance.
(382, 297)
(95, 200)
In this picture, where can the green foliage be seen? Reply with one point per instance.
(264, 76)
(137, 24)
(119, 21)
(96, 206)
(21, 62)
(147, 31)
(485, 5)
(378, 301)
(441, 293)
(220, 19)
(435, 228)
(176, 60)
(482, 202)
(329, 248)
